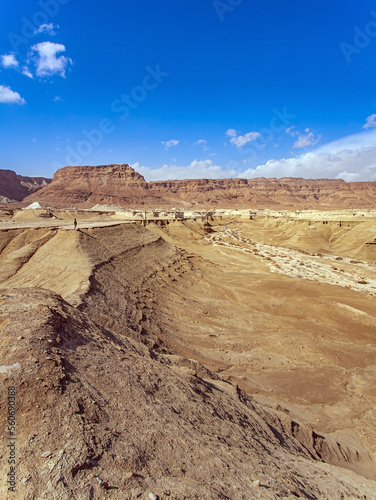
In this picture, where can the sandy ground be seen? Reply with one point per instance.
(283, 322)
(280, 305)
(342, 271)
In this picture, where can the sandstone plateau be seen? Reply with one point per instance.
(121, 185)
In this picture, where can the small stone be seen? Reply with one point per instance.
(46, 454)
(256, 483)
(20, 337)
(102, 484)
(25, 479)
(153, 496)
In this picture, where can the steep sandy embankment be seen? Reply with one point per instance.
(282, 323)
(114, 387)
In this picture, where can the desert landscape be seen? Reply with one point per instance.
(188, 348)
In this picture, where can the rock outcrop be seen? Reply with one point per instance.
(15, 187)
(122, 185)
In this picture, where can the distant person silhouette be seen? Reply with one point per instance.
(75, 223)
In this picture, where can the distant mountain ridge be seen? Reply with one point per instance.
(121, 185)
(15, 187)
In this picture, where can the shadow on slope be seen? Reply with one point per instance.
(99, 417)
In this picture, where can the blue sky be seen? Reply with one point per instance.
(190, 88)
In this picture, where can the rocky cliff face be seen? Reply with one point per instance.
(121, 185)
(15, 187)
(261, 192)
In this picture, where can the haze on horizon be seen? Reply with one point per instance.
(225, 88)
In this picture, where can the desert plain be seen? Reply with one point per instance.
(211, 353)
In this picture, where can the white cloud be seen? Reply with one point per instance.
(197, 169)
(231, 132)
(170, 144)
(8, 96)
(45, 28)
(9, 61)
(370, 122)
(291, 131)
(203, 143)
(47, 64)
(244, 139)
(309, 139)
(351, 158)
(241, 140)
(350, 142)
(57, 98)
(25, 71)
(303, 140)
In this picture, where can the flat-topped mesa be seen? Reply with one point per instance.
(87, 186)
(124, 172)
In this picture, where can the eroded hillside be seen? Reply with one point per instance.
(123, 378)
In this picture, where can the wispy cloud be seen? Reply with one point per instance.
(8, 96)
(241, 140)
(307, 139)
(200, 142)
(45, 28)
(9, 61)
(291, 131)
(47, 62)
(25, 71)
(370, 121)
(203, 143)
(351, 158)
(303, 140)
(197, 169)
(170, 144)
